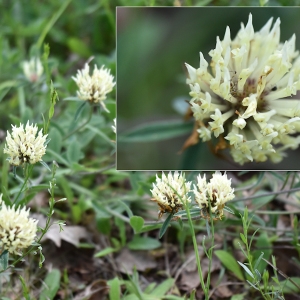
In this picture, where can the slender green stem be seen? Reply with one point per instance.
(210, 251)
(196, 252)
(246, 225)
(110, 14)
(81, 126)
(51, 22)
(27, 172)
(266, 194)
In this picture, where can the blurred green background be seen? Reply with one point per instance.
(152, 46)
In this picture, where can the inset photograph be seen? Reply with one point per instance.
(208, 88)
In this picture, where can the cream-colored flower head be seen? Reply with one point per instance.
(94, 88)
(243, 95)
(217, 191)
(25, 145)
(33, 69)
(114, 126)
(171, 192)
(17, 230)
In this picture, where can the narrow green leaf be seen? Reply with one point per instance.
(228, 209)
(150, 288)
(273, 278)
(122, 230)
(25, 288)
(262, 243)
(127, 208)
(246, 269)
(73, 152)
(230, 263)
(165, 225)
(172, 297)
(250, 283)
(4, 260)
(103, 224)
(163, 288)
(115, 289)
(208, 228)
(143, 243)
(8, 84)
(54, 17)
(45, 165)
(72, 99)
(238, 297)
(261, 201)
(116, 243)
(105, 252)
(136, 223)
(180, 224)
(78, 46)
(156, 132)
(193, 211)
(258, 220)
(42, 257)
(79, 110)
(67, 191)
(193, 295)
(258, 260)
(25, 200)
(258, 274)
(243, 251)
(147, 228)
(58, 157)
(245, 214)
(51, 285)
(4, 175)
(243, 238)
(56, 140)
(100, 133)
(289, 287)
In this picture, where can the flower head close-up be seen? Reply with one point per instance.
(213, 194)
(17, 230)
(246, 94)
(33, 69)
(94, 88)
(170, 192)
(25, 145)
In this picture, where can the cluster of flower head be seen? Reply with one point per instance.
(171, 193)
(17, 230)
(33, 69)
(214, 194)
(243, 96)
(94, 88)
(23, 146)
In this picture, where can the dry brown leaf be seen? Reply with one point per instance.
(70, 234)
(141, 260)
(193, 139)
(190, 278)
(97, 290)
(220, 291)
(292, 198)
